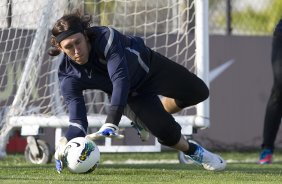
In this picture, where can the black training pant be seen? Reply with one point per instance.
(169, 79)
(274, 106)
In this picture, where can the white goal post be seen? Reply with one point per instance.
(29, 92)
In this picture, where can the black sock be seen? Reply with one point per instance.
(191, 150)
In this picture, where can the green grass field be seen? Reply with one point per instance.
(145, 168)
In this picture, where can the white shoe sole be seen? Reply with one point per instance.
(219, 167)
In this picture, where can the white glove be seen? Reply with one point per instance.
(60, 153)
(107, 130)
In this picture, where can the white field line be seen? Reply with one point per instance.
(132, 161)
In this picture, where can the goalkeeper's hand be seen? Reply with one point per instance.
(107, 130)
(59, 154)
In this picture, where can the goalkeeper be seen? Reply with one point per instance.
(133, 76)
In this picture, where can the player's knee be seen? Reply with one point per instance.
(170, 140)
(203, 93)
(170, 137)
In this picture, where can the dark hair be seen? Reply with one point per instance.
(64, 24)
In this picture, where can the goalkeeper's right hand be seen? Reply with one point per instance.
(107, 130)
(59, 154)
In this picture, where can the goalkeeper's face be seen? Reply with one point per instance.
(77, 47)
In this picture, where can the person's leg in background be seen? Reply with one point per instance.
(273, 112)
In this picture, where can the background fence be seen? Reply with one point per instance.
(244, 17)
(227, 17)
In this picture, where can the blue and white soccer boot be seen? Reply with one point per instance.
(208, 160)
(143, 134)
(107, 130)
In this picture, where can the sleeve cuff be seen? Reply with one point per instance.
(114, 115)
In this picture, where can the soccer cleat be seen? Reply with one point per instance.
(208, 160)
(143, 134)
(266, 156)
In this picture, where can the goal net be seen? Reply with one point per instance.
(29, 89)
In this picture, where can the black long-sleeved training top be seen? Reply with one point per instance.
(117, 65)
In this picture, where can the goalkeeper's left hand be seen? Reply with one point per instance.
(59, 154)
(107, 130)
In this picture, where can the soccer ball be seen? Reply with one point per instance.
(81, 155)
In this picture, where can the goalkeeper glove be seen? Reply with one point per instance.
(59, 154)
(107, 130)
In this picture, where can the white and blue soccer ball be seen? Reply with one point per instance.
(81, 155)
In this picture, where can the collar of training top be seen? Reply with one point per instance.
(63, 35)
